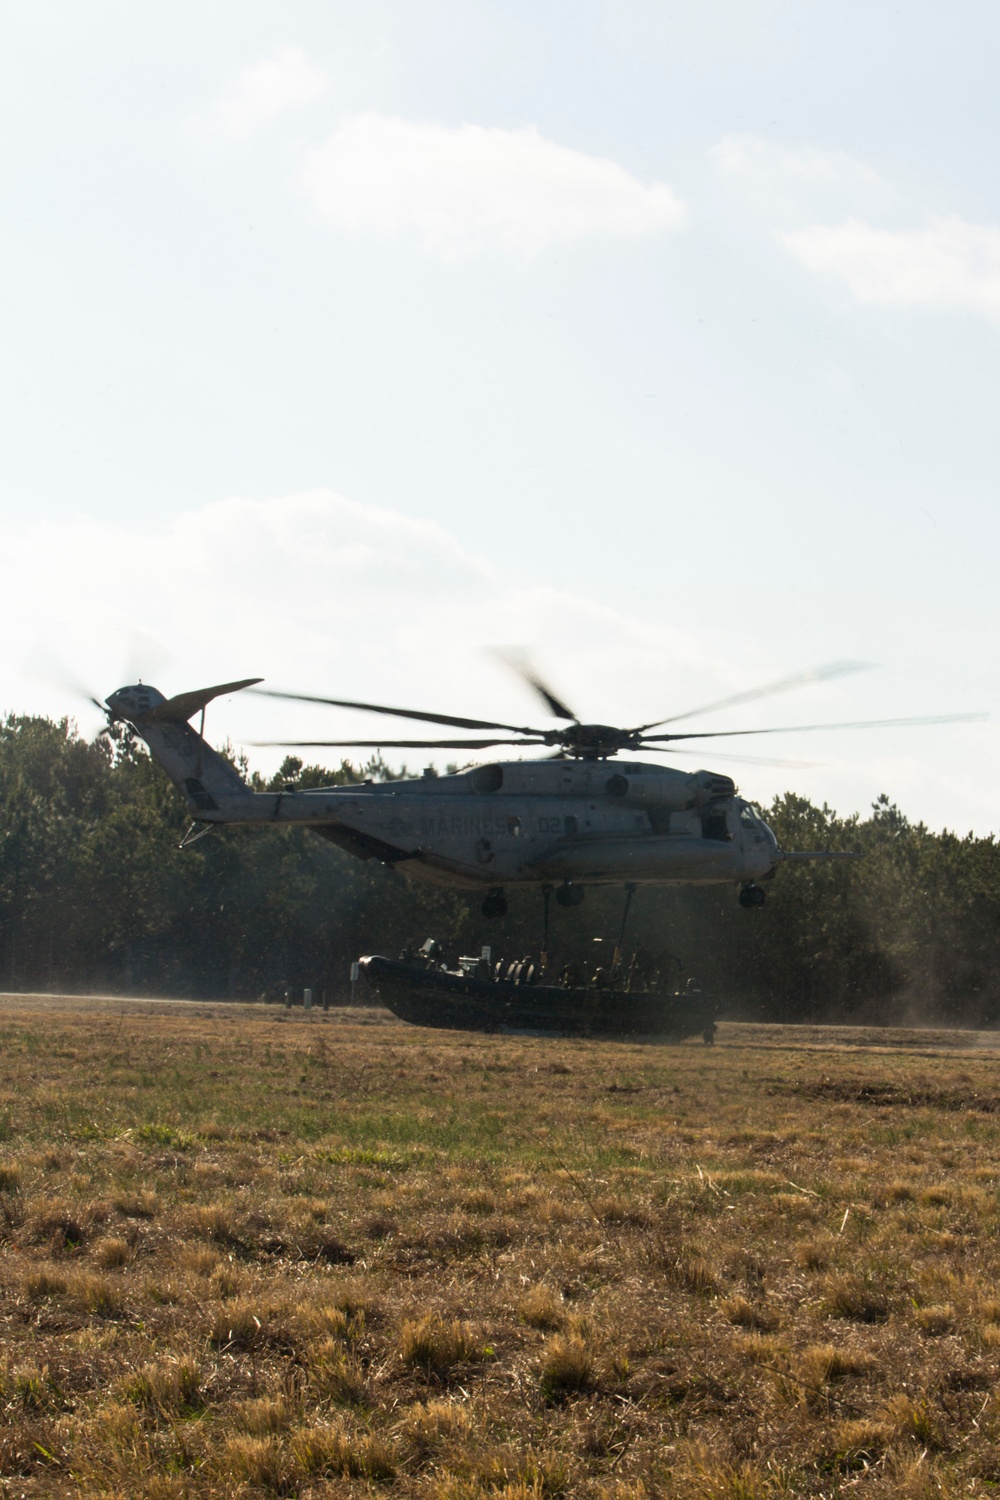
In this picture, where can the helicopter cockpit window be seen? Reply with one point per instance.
(748, 818)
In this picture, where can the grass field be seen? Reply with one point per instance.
(250, 1253)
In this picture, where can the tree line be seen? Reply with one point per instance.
(95, 896)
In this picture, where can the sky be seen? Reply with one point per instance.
(345, 343)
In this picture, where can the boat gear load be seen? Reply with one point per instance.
(476, 995)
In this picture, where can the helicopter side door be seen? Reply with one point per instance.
(717, 822)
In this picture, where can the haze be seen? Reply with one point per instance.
(343, 341)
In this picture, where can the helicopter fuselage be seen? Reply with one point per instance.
(576, 821)
(517, 823)
(529, 824)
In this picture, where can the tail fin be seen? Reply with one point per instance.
(199, 772)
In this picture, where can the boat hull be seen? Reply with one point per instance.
(459, 1002)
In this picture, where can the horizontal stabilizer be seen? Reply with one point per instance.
(183, 705)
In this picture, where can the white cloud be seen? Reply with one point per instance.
(947, 263)
(950, 263)
(772, 186)
(460, 191)
(263, 92)
(750, 156)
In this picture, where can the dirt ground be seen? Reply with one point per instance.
(247, 1251)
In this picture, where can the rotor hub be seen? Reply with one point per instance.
(595, 741)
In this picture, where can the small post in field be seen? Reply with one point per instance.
(355, 973)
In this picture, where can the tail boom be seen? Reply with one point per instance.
(205, 778)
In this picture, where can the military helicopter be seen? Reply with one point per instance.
(562, 824)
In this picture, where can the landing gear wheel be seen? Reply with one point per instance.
(752, 896)
(494, 904)
(708, 1035)
(569, 894)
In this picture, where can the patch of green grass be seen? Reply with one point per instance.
(366, 1156)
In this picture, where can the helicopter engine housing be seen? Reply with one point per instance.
(637, 785)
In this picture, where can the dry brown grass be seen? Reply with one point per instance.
(820, 1365)
(426, 1264)
(435, 1345)
(746, 1314)
(567, 1366)
(861, 1297)
(166, 1386)
(431, 1428)
(936, 1320)
(814, 1254)
(542, 1307)
(112, 1252)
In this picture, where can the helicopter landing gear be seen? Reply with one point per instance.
(751, 896)
(569, 894)
(544, 955)
(494, 903)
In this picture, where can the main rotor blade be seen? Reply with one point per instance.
(388, 744)
(147, 658)
(520, 664)
(783, 685)
(43, 664)
(753, 760)
(398, 713)
(714, 734)
(87, 697)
